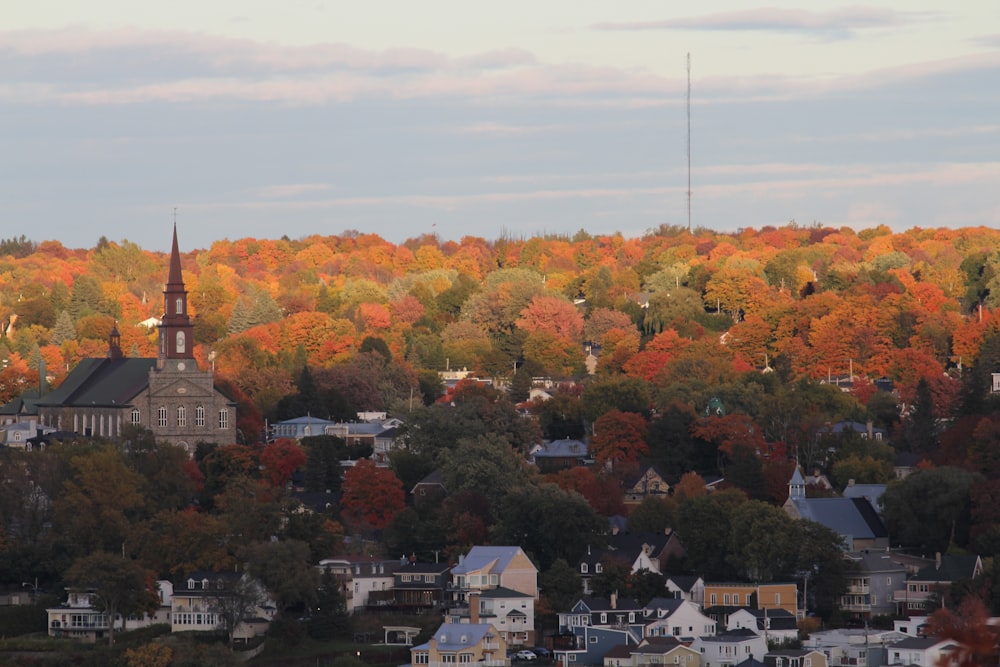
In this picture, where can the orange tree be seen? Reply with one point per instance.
(372, 495)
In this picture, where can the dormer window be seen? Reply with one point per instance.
(190, 583)
(598, 568)
(583, 568)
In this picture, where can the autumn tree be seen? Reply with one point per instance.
(117, 586)
(619, 438)
(968, 626)
(372, 495)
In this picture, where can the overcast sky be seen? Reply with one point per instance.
(462, 117)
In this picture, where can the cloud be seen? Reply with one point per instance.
(839, 23)
(292, 190)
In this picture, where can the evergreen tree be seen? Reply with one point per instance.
(329, 619)
(64, 329)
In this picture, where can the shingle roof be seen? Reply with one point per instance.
(845, 516)
(953, 567)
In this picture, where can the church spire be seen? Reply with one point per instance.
(176, 329)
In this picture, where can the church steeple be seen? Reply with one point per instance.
(115, 344)
(176, 329)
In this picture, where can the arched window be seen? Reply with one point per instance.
(180, 341)
(199, 416)
(181, 416)
(161, 417)
(136, 417)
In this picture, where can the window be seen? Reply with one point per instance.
(598, 568)
(223, 418)
(179, 306)
(583, 568)
(199, 416)
(180, 341)
(420, 658)
(465, 658)
(593, 640)
(181, 416)
(777, 598)
(726, 599)
(136, 417)
(448, 658)
(161, 417)
(713, 599)
(604, 618)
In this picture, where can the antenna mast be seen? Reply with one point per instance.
(689, 137)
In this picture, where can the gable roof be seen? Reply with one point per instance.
(952, 567)
(845, 516)
(101, 382)
(459, 636)
(562, 449)
(497, 559)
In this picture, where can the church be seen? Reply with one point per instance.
(170, 395)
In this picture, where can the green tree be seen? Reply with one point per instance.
(118, 586)
(286, 571)
(329, 619)
(560, 584)
(613, 580)
(64, 329)
(930, 509)
(651, 515)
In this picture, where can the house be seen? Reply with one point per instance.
(868, 647)
(19, 435)
(848, 428)
(664, 651)
(925, 585)
(78, 618)
(671, 617)
(484, 568)
(776, 625)
(648, 482)
(795, 658)
(559, 454)
(462, 644)
(512, 614)
(300, 427)
(776, 595)
(201, 602)
(872, 585)
(726, 649)
(365, 581)
(638, 551)
(594, 626)
(687, 587)
(922, 651)
(169, 395)
(430, 489)
(417, 586)
(854, 519)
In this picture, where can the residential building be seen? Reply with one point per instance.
(462, 644)
(776, 595)
(484, 568)
(926, 585)
(418, 586)
(687, 587)
(365, 581)
(78, 618)
(872, 584)
(510, 612)
(922, 651)
(200, 603)
(169, 395)
(559, 454)
(647, 482)
(848, 647)
(776, 625)
(795, 658)
(672, 617)
(663, 651)
(726, 649)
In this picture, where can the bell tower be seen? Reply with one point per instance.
(176, 329)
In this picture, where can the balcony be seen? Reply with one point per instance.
(912, 596)
(859, 589)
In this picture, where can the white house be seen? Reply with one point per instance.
(672, 617)
(78, 618)
(921, 651)
(730, 648)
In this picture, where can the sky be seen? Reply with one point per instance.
(258, 118)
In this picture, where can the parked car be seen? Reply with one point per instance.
(525, 654)
(542, 653)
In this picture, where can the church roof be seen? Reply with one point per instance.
(101, 382)
(845, 516)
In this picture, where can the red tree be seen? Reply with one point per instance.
(280, 459)
(372, 495)
(619, 437)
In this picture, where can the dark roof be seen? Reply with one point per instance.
(685, 582)
(101, 382)
(953, 567)
(845, 516)
(620, 651)
(22, 405)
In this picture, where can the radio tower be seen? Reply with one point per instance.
(689, 136)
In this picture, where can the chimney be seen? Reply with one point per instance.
(937, 560)
(614, 600)
(474, 608)
(871, 430)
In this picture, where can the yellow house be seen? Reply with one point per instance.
(462, 644)
(756, 596)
